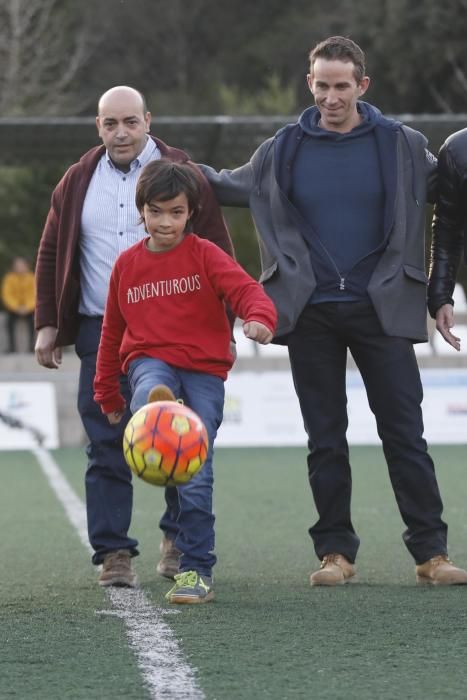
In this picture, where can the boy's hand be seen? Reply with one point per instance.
(115, 417)
(257, 331)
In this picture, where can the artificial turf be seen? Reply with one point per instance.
(268, 634)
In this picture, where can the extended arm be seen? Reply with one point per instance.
(233, 188)
(209, 222)
(246, 296)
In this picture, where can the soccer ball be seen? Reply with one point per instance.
(165, 443)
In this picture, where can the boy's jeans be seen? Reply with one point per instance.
(188, 518)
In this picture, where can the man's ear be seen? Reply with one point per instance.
(364, 85)
(147, 119)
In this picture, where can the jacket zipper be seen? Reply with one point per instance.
(339, 274)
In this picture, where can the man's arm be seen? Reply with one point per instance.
(46, 320)
(209, 222)
(447, 235)
(431, 168)
(47, 354)
(232, 188)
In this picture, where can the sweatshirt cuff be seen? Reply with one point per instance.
(112, 404)
(265, 321)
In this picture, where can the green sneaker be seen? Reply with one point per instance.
(190, 587)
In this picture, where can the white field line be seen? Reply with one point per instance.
(165, 673)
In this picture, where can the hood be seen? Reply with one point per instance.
(308, 122)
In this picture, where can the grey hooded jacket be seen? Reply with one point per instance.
(398, 286)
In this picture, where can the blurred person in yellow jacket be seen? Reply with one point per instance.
(19, 298)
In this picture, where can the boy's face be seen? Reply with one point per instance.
(165, 222)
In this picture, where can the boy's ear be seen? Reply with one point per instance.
(189, 223)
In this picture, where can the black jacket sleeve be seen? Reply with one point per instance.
(449, 221)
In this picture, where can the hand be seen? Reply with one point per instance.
(115, 417)
(444, 323)
(257, 331)
(47, 354)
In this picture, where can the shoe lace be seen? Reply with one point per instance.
(116, 560)
(329, 559)
(440, 559)
(186, 578)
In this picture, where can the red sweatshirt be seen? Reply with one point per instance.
(170, 306)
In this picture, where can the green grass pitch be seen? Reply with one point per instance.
(268, 634)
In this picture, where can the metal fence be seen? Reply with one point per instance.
(221, 141)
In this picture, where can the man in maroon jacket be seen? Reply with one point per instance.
(93, 217)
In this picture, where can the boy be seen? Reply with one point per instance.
(165, 326)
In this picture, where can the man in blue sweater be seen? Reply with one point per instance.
(338, 200)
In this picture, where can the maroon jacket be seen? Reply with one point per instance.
(58, 269)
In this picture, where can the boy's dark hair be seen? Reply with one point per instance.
(163, 180)
(340, 48)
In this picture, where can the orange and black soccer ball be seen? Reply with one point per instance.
(165, 443)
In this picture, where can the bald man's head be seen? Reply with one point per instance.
(123, 123)
(120, 92)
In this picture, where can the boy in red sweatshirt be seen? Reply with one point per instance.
(165, 324)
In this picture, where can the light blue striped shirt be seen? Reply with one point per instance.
(109, 225)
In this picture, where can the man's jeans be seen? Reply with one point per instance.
(188, 518)
(318, 353)
(109, 491)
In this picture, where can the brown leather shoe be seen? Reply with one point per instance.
(440, 571)
(170, 559)
(160, 392)
(335, 570)
(116, 570)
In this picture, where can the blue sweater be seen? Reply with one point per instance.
(336, 185)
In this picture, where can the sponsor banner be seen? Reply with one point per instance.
(262, 409)
(31, 404)
(445, 405)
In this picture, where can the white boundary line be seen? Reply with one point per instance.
(158, 655)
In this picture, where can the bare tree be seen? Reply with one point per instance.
(44, 44)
